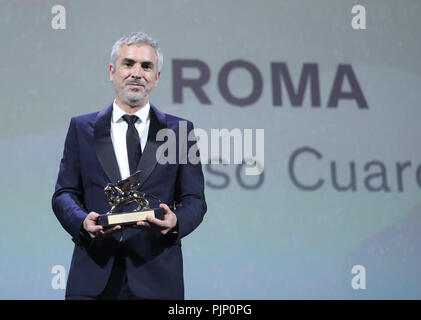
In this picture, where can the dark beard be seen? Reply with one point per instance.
(136, 102)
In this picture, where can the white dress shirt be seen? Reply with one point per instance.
(118, 135)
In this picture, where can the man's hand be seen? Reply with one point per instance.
(169, 222)
(91, 226)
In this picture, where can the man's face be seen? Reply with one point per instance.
(135, 75)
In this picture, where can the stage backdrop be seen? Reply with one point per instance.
(335, 86)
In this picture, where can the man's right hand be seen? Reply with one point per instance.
(91, 226)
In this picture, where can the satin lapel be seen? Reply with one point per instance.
(104, 145)
(148, 160)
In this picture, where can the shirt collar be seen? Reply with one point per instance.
(143, 113)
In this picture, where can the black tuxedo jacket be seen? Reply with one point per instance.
(153, 262)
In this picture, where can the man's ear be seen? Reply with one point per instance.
(157, 77)
(111, 72)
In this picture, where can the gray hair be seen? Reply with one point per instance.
(136, 38)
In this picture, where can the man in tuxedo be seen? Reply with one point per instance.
(143, 261)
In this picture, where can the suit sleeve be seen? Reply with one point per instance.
(190, 193)
(67, 200)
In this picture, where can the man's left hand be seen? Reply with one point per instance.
(169, 222)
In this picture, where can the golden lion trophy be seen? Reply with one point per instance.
(122, 193)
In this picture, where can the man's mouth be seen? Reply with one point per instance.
(136, 84)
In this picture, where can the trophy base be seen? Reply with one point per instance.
(128, 218)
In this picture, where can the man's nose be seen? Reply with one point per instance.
(137, 71)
